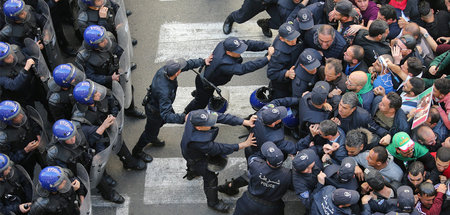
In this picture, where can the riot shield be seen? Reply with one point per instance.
(86, 204)
(33, 50)
(124, 41)
(48, 38)
(119, 95)
(34, 115)
(24, 172)
(99, 162)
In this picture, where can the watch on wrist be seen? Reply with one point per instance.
(426, 35)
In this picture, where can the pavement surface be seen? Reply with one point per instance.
(169, 29)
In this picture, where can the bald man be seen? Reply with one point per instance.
(359, 82)
(428, 138)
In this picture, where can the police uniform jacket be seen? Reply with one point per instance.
(303, 81)
(14, 192)
(317, 10)
(337, 48)
(267, 183)
(323, 203)
(223, 67)
(308, 114)
(87, 17)
(162, 93)
(282, 60)
(196, 145)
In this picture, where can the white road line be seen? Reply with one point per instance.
(194, 40)
(164, 183)
(239, 100)
(121, 209)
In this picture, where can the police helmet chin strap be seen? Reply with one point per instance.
(204, 80)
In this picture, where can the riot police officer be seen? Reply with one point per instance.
(60, 99)
(18, 76)
(160, 96)
(23, 135)
(71, 147)
(59, 192)
(21, 22)
(94, 104)
(16, 187)
(99, 57)
(227, 62)
(268, 182)
(198, 142)
(99, 12)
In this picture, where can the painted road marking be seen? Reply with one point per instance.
(121, 209)
(239, 100)
(198, 40)
(164, 183)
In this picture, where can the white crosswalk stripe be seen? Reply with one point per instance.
(198, 40)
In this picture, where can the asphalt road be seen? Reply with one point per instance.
(178, 28)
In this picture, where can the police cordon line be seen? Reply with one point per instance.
(364, 93)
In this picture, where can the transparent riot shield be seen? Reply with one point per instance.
(34, 115)
(48, 38)
(124, 41)
(41, 66)
(86, 204)
(99, 162)
(24, 172)
(118, 124)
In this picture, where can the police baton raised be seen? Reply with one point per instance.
(204, 80)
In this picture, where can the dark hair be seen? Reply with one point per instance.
(336, 64)
(388, 11)
(358, 52)
(395, 101)
(350, 98)
(355, 138)
(326, 30)
(427, 188)
(424, 8)
(434, 115)
(443, 85)
(418, 85)
(378, 27)
(416, 167)
(328, 127)
(415, 66)
(443, 154)
(382, 154)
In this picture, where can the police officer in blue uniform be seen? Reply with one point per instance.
(288, 47)
(99, 58)
(71, 147)
(198, 142)
(60, 98)
(15, 187)
(160, 97)
(342, 176)
(306, 166)
(23, 136)
(269, 181)
(94, 105)
(305, 72)
(227, 62)
(59, 192)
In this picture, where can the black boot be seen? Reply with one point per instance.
(158, 143)
(130, 162)
(235, 185)
(134, 112)
(190, 175)
(143, 156)
(214, 202)
(108, 193)
(128, 12)
(264, 24)
(133, 66)
(227, 25)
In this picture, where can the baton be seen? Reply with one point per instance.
(208, 82)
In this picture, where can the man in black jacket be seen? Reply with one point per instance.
(373, 40)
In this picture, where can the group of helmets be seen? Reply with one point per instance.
(16, 10)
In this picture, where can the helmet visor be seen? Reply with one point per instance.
(76, 76)
(97, 91)
(19, 119)
(105, 45)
